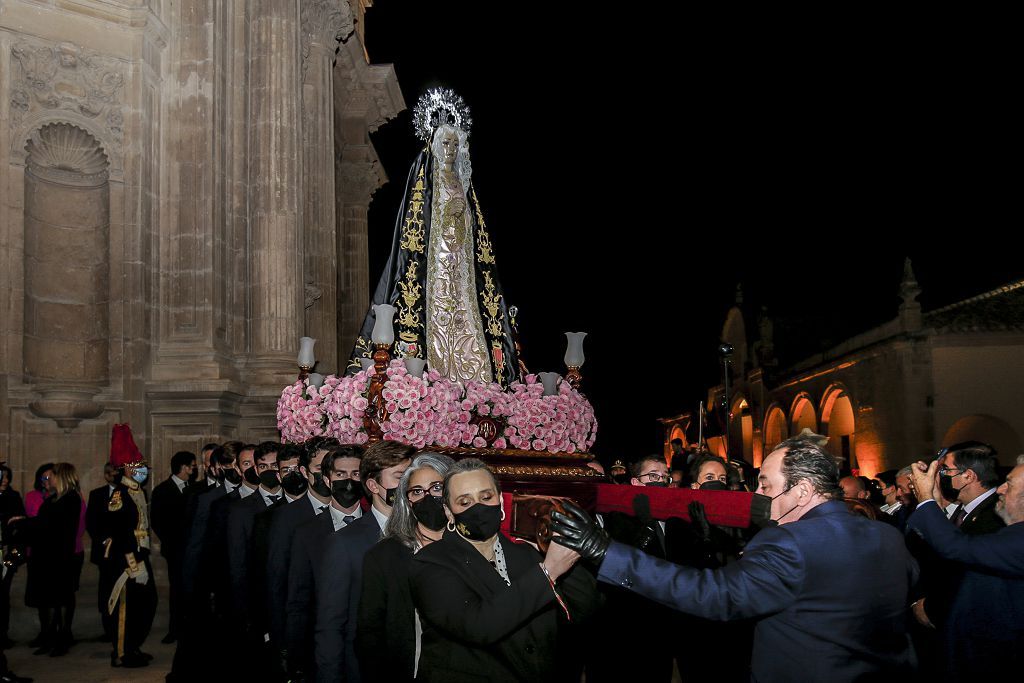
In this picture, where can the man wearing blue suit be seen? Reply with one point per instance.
(828, 589)
(983, 635)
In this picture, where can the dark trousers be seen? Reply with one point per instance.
(5, 602)
(133, 615)
(108, 577)
(174, 594)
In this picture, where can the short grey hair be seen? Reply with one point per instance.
(1020, 459)
(907, 471)
(402, 522)
(461, 467)
(805, 460)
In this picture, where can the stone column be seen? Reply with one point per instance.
(324, 22)
(357, 180)
(275, 249)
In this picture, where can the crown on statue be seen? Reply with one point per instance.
(438, 107)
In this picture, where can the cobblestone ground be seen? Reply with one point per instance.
(89, 659)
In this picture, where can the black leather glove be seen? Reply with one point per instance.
(699, 518)
(577, 531)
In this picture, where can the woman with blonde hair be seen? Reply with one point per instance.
(54, 566)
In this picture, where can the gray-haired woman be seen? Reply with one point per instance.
(388, 631)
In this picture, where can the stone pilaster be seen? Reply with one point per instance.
(275, 215)
(324, 23)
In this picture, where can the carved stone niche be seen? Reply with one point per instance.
(67, 272)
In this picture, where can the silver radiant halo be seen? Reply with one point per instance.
(437, 107)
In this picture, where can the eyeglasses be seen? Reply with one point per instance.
(655, 476)
(289, 469)
(417, 492)
(950, 471)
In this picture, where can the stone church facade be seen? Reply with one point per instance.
(887, 397)
(183, 194)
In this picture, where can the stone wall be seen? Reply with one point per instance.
(183, 194)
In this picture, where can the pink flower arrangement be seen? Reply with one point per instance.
(300, 413)
(345, 407)
(434, 411)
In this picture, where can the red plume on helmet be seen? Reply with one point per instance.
(123, 450)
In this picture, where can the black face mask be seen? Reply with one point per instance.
(294, 484)
(620, 478)
(389, 495)
(479, 522)
(320, 486)
(252, 476)
(714, 485)
(195, 474)
(232, 476)
(949, 492)
(657, 484)
(429, 512)
(269, 479)
(346, 492)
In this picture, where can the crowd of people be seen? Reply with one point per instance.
(333, 562)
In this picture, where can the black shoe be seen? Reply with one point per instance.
(60, 650)
(129, 661)
(11, 677)
(145, 655)
(168, 639)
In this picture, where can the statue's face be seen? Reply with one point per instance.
(449, 147)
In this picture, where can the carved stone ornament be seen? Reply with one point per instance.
(360, 180)
(66, 154)
(312, 294)
(66, 78)
(324, 23)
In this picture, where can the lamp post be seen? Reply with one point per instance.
(725, 351)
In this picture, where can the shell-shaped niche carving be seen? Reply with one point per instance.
(64, 153)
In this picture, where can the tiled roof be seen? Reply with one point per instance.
(998, 310)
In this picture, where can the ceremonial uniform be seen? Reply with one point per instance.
(126, 551)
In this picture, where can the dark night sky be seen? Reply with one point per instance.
(633, 169)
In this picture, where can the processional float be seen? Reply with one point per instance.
(438, 363)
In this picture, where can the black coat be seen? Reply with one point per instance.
(167, 518)
(477, 628)
(283, 525)
(98, 499)
(198, 505)
(303, 579)
(341, 574)
(244, 572)
(54, 567)
(385, 622)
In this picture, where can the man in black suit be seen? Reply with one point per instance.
(98, 499)
(342, 564)
(283, 526)
(984, 632)
(967, 472)
(241, 518)
(340, 468)
(167, 515)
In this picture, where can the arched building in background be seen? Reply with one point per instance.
(183, 194)
(889, 396)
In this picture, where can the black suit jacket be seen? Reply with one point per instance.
(280, 533)
(195, 577)
(947, 576)
(477, 628)
(303, 579)
(167, 517)
(338, 603)
(385, 622)
(245, 576)
(94, 507)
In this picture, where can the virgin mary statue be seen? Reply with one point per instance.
(441, 275)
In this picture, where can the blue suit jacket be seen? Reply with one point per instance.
(341, 571)
(984, 634)
(829, 592)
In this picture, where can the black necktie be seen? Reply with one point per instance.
(958, 516)
(321, 509)
(274, 499)
(348, 519)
